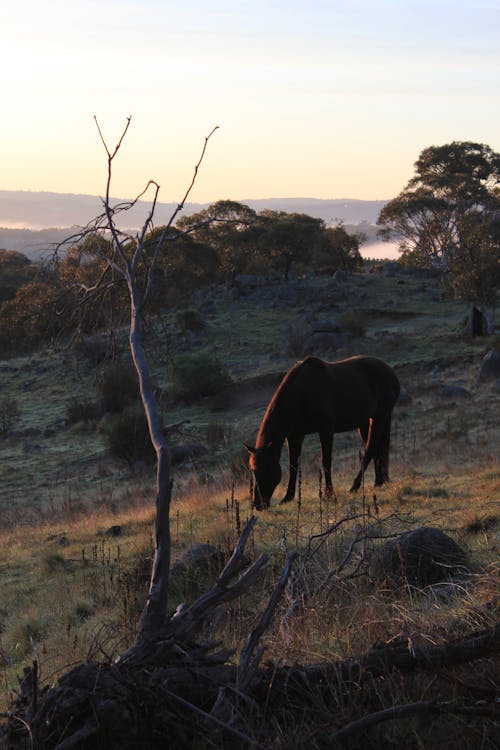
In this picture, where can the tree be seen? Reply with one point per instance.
(447, 217)
(189, 264)
(288, 239)
(224, 227)
(15, 270)
(338, 249)
(34, 315)
(131, 260)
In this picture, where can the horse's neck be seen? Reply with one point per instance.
(272, 431)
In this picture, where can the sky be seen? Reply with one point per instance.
(317, 98)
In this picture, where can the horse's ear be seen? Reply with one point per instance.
(249, 448)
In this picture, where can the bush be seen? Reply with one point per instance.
(196, 375)
(353, 322)
(82, 411)
(297, 338)
(128, 439)
(118, 387)
(189, 319)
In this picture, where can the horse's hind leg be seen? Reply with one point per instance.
(381, 458)
(367, 433)
(294, 443)
(326, 439)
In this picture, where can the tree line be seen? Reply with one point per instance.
(447, 217)
(78, 292)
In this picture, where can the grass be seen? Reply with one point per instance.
(71, 590)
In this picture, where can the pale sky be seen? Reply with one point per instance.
(316, 98)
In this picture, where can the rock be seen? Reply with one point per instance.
(404, 398)
(490, 367)
(324, 337)
(340, 275)
(201, 559)
(455, 393)
(392, 268)
(420, 557)
(115, 530)
(181, 453)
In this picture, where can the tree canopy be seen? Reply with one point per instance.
(448, 216)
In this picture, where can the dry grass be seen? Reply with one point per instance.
(71, 591)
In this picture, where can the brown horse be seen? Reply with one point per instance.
(325, 397)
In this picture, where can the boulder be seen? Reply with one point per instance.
(200, 559)
(181, 453)
(420, 557)
(490, 367)
(455, 393)
(325, 336)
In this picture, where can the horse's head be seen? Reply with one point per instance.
(265, 466)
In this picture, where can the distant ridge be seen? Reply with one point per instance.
(43, 210)
(31, 222)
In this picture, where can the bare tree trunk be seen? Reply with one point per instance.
(154, 615)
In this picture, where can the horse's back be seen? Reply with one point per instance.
(351, 390)
(370, 372)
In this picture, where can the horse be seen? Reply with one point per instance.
(325, 397)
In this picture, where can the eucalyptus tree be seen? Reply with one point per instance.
(447, 217)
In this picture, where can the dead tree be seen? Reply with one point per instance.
(123, 258)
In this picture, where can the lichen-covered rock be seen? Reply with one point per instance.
(490, 367)
(420, 557)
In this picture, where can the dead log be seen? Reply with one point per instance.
(427, 708)
(401, 656)
(194, 698)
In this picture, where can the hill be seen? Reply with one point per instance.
(30, 222)
(75, 548)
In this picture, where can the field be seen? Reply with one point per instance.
(76, 526)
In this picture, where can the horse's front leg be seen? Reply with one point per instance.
(326, 439)
(294, 443)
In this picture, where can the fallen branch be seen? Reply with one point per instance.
(379, 661)
(412, 709)
(123, 700)
(246, 669)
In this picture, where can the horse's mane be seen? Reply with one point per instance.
(283, 386)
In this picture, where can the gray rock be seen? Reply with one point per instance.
(202, 559)
(455, 393)
(490, 367)
(181, 453)
(421, 557)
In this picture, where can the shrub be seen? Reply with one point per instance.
(118, 387)
(189, 319)
(217, 434)
(196, 375)
(297, 339)
(9, 412)
(82, 411)
(128, 439)
(353, 322)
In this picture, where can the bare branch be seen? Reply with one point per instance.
(213, 720)
(178, 209)
(111, 156)
(412, 709)
(245, 669)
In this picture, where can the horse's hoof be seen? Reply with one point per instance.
(286, 500)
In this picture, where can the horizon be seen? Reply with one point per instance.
(46, 214)
(322, 98)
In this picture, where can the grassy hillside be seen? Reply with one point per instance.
(76, 526)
